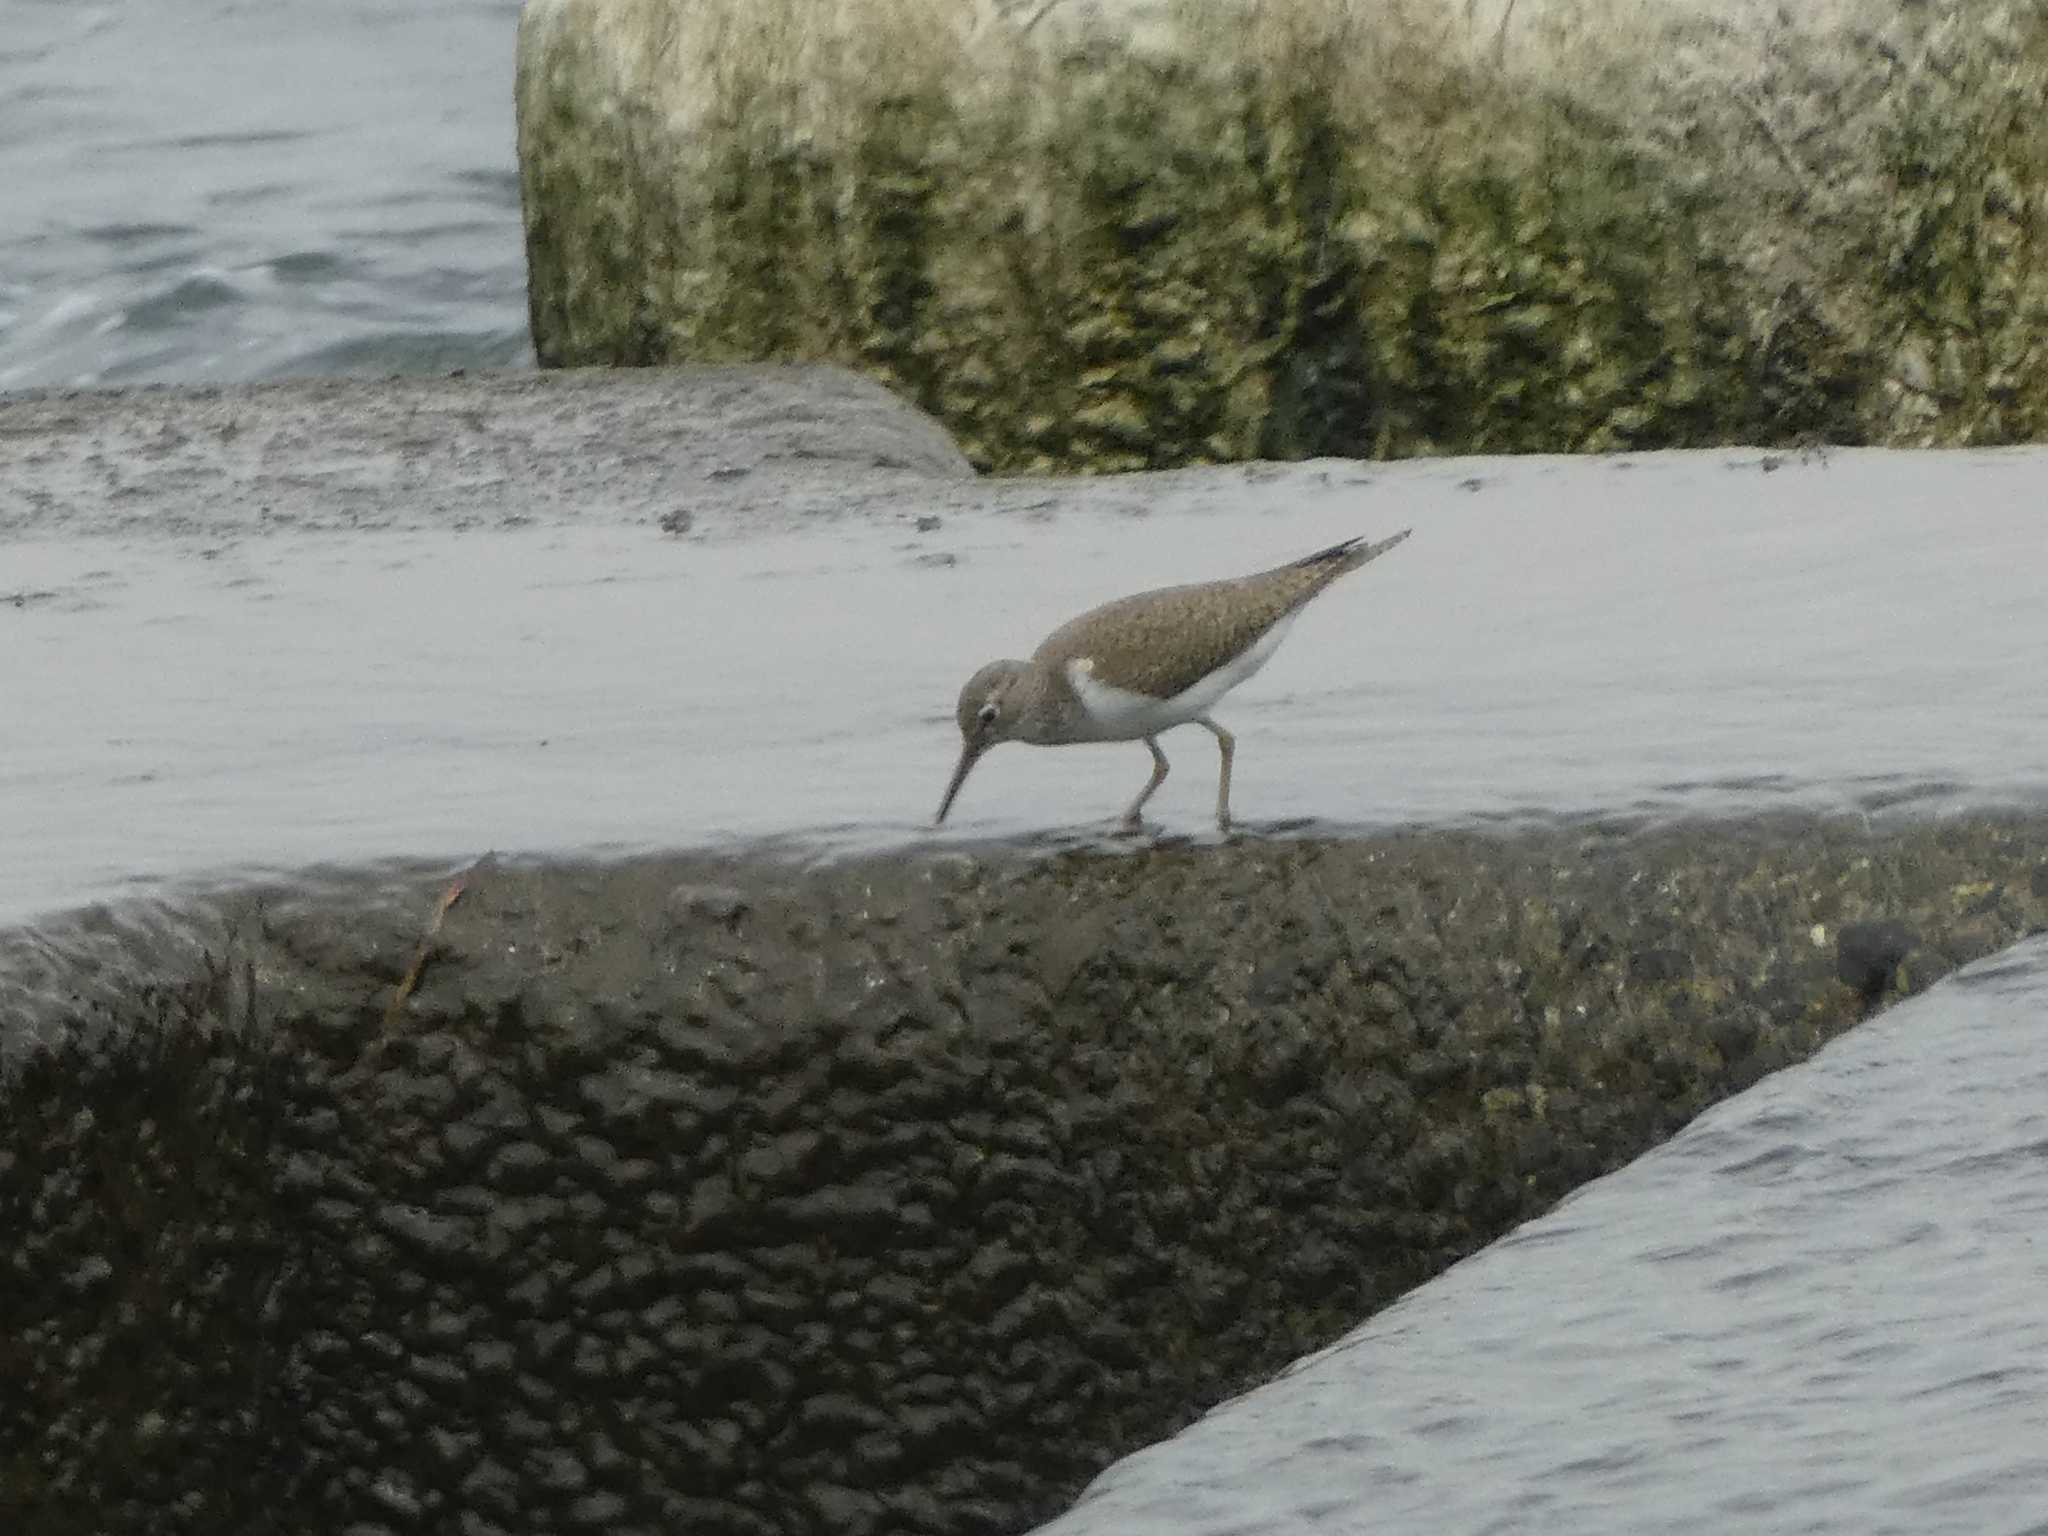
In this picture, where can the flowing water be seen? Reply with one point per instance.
(1821, 1308)
(1673, 635)
(234, 189)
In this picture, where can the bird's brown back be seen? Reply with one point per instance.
(1163, 642)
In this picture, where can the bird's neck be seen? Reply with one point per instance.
(1041, 702)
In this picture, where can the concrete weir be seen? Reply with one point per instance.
(748, 1190)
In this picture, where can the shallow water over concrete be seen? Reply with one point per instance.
(1823, 1307)
(261, 630)
(1666, 635)
(1653, 637)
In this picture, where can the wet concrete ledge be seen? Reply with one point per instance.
(757, 444)
(723, 1195)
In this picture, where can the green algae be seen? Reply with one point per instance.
(1333, 232)
(895, 1186)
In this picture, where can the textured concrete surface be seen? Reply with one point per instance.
(900, 1195)
(492, 449)
(1118, 236)
(717, 1194)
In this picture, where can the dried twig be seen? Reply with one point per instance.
(411, 978)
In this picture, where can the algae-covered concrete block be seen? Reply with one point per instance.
(1113, 236)
(895, 1194)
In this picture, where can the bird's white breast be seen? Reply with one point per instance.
(1121, 714)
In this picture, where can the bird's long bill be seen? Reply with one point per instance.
(970, 754)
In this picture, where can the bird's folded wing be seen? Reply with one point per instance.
(1163, 643)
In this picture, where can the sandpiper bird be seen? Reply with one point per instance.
(1143, 664)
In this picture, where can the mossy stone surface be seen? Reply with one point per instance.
(708, 1194)
(1309, 228)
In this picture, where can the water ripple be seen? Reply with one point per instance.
(1866, 1356)
(331, 213)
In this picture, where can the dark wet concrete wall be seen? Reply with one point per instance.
(903, 1195)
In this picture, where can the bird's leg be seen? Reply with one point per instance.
(1158, 778)
(1226, 746)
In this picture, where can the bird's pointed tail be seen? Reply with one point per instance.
(1351, 554)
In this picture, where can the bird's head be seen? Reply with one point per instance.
(987, 714)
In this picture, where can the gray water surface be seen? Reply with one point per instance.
(1821, 1308)
(1671, 635)
(236, 189)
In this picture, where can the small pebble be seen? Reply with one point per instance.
(1867, 955)
(695, 903)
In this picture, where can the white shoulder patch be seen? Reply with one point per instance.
(1119, 714)
(1115, 714)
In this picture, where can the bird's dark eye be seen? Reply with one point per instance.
(988, 714)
